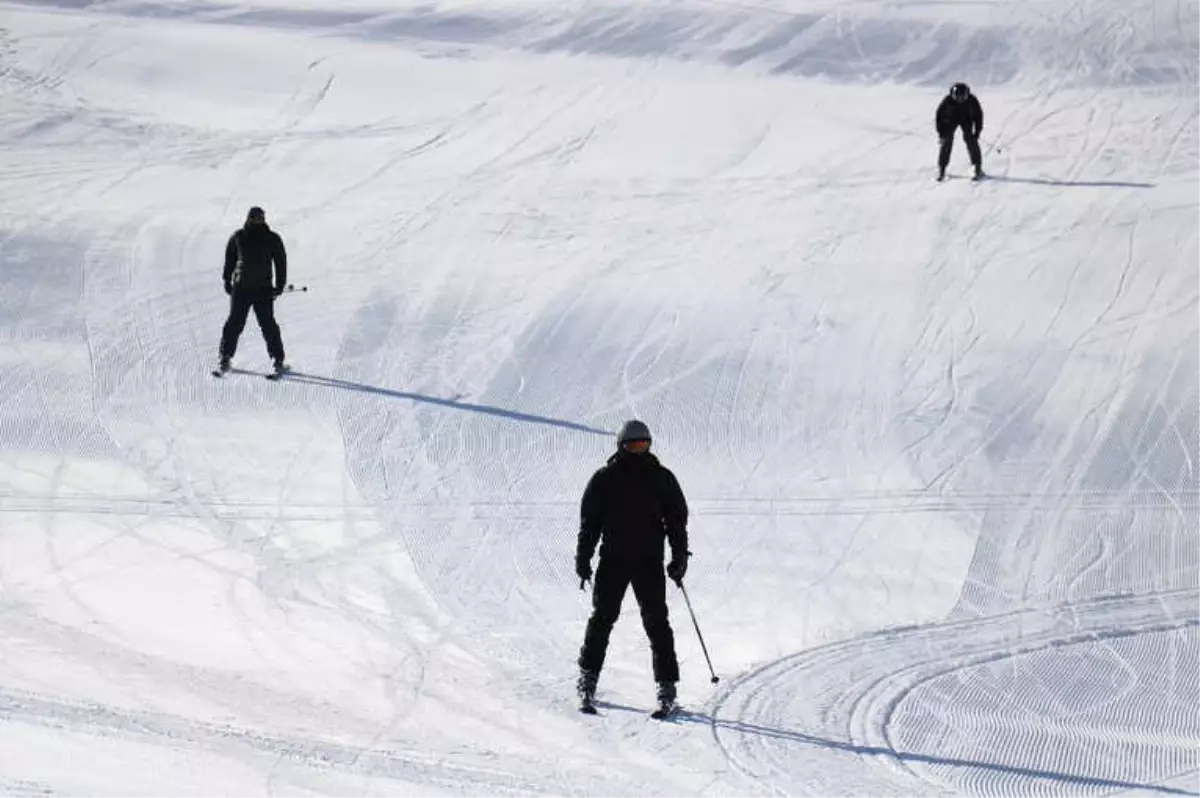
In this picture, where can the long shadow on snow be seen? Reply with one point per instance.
(925, 759)
(512, 415)
(1037, 181)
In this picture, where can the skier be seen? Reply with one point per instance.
(959, 109)
(251, 253)
(633, 506)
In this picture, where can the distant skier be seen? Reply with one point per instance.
(959, 109)
(255, 274)
(632, 506)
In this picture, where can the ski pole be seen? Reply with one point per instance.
(703, 647)
(291, 288)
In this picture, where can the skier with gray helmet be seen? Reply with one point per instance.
(633, 508)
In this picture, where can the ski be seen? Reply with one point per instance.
(974, 179)
(273, 376)
(665, 711)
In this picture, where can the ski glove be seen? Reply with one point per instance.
(278, 290)
(583, 569)
(676, 568)
(229, 288)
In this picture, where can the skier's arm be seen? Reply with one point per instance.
(591, 519)
(940, 122)
(280, 258)
(675, 517)
(231, 254)
(978, 113)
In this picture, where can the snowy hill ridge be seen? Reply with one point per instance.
(1147, 42)
(939, 440)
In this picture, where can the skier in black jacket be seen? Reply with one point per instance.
(632, 507)
(255, 273)
(959, 109)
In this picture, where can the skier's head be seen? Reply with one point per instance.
(256, 215)
(959, 92)
(634, 436)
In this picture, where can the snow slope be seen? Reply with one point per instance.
(940, 441)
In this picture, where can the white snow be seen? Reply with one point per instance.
(940, 441)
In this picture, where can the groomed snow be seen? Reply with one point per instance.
(940, 441)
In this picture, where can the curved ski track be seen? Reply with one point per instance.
(832, 710)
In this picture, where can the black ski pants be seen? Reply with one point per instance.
(240, 305)
(972, 142)
(650, 589)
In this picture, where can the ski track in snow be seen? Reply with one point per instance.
(939, 441)
(844, 700)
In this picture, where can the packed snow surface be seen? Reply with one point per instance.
(939, 441)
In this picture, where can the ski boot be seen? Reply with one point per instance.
(223, 366)
(941, 173)
(279, 368)
(666, 700)
(585, 688)
(979, 175)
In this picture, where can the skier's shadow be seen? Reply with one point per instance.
(512, 415)
(719, 726)
(1038, 181)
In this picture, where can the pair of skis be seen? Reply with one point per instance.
(663, 711)
(974, 179)
(272, 375)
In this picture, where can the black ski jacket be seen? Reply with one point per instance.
(967, 114)
(249, 256)
(633, 504)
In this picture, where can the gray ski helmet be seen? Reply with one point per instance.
(633, 430)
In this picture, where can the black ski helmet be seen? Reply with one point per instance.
(633, 430)
(256, 214)
(959, 92)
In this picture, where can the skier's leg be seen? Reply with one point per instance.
(239, 309)
(264, 311)
(947, 144)
(612, 578)
(973, 151)
(650, 589)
